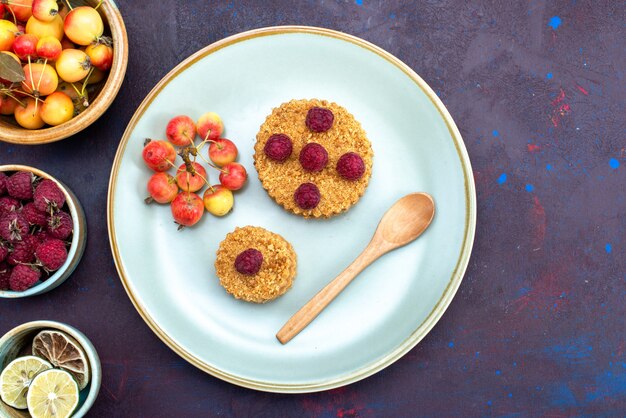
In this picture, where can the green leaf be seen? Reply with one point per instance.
(10, 70)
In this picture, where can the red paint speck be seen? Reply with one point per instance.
(582, 90)
(533, 147)
(538, 222)
(559, 98)
(545, 294)
(347, 413)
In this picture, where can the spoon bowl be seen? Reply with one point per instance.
(406, 220)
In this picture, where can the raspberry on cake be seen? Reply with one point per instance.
(255, 265)
(313, 158)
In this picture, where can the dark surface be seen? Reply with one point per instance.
(537, 327)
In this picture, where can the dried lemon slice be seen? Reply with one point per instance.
(52, 394)
(16, 378)
(63, 352)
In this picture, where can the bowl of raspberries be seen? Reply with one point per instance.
(42, 232)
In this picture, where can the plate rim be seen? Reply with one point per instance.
(421, 330)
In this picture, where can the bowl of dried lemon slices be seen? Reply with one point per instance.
(48, 369)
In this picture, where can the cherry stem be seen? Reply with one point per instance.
(98, 5)
(13, 14)
(76, 89)
(18, 5)
(211, 164)
(69, 5)
(9, 93)
(39, 82)
(30, 69)
(82, 92)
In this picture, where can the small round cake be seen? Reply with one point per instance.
(313, 158)
(255, 265)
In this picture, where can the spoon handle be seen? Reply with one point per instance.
(316, 305)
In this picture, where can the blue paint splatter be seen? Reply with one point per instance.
(614, 163)
(530, 187)
(489, 403)
(495, 133)
(514, 364)
(451, 344)
(392, 16)
(608, 248)
(498, 372)
(510, 395)
(477, 354)
(502, 178)
(549, 167)
(358, 2)
(555, 22)
(549, 76)
(562, 396)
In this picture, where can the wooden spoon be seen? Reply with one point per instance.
(401, 224)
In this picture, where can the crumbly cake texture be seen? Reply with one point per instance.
(277, 270)
(281, 179)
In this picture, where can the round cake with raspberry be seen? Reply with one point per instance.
(313, 158)
(255, 265)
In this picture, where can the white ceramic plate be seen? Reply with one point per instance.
(169, 275)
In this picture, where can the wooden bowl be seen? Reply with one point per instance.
(17, 343)
(76, 250)
(11, 132)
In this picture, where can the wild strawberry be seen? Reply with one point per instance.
(23, 277)
(60, 225)
(48, 196)
(13, 226)
(20, 185)
(5, 273)
(33, 215)
(51, 254)
(8, 204)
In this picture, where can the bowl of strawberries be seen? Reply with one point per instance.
(42, 232)
(61, 65)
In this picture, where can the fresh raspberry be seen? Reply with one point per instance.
(4, 251)
(23, 277)
(5, 273)
(48, 196)
(313, 157)
(51, 254)
(60, 225)
(42, 236)
(351, 166)
(307, 196)
(249, 262)
(33, 215)
(23, 253)
(8, 204)
(278, 147)
(13, 226)
(319, 119)
(3, 183)
(20, 185)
